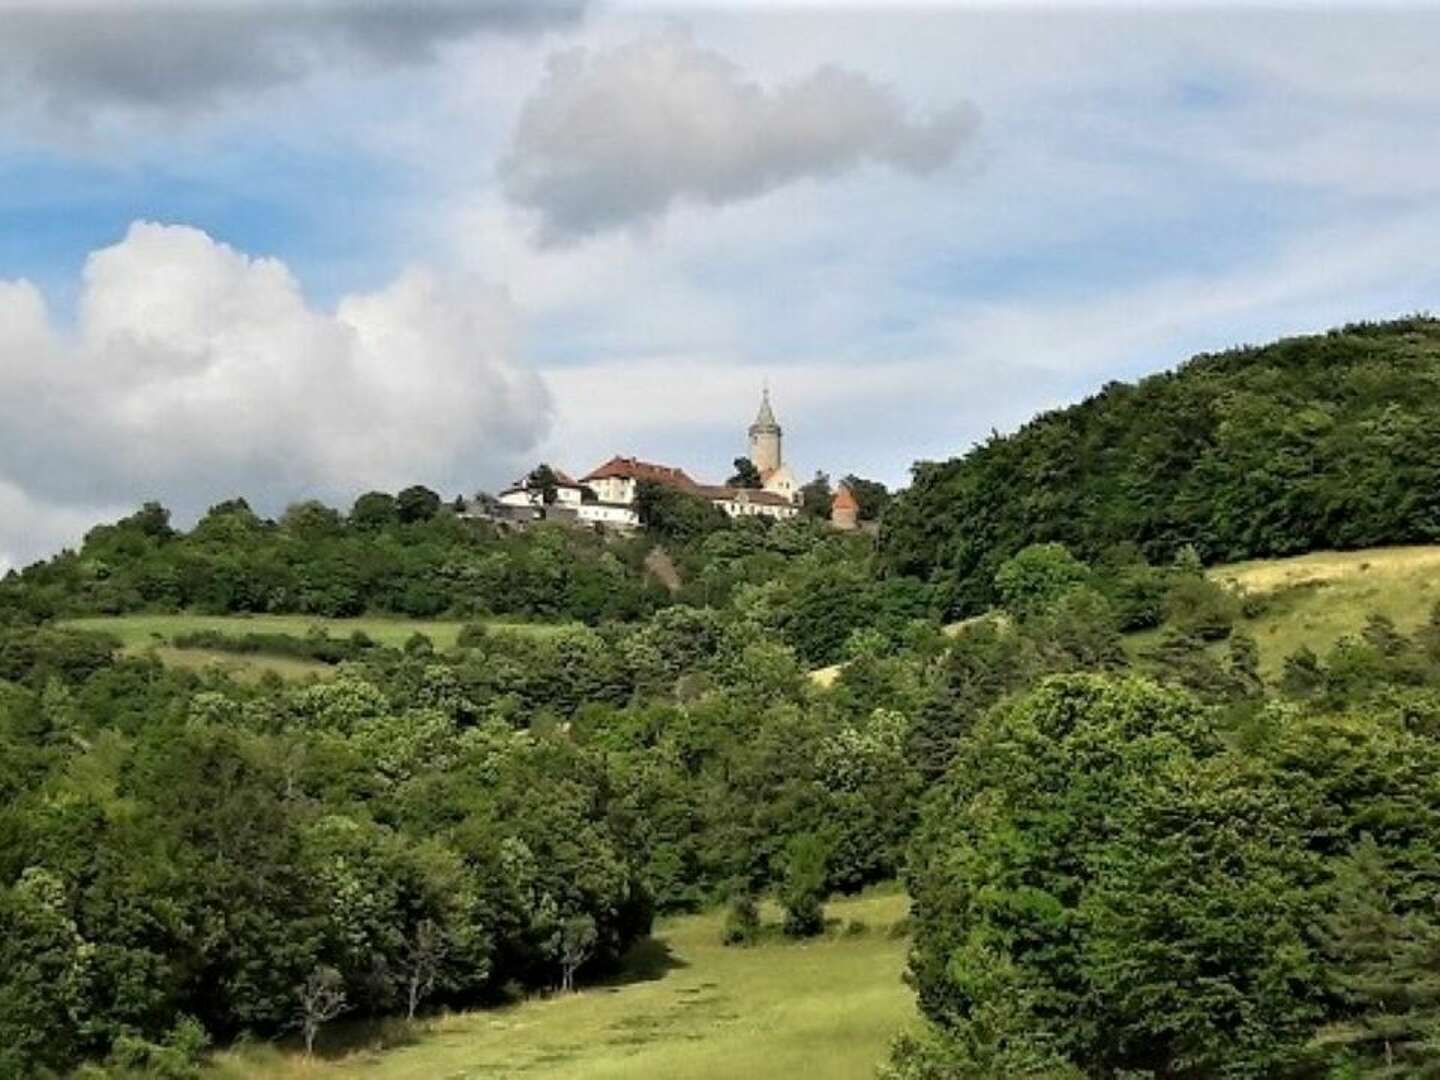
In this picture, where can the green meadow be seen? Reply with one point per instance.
(1314, 600)
(143, 633)
(682, 1006)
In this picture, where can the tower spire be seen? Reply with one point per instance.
(765, 435)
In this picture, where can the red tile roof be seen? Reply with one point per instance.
(844, 500)
(754, 495)
(634, 469)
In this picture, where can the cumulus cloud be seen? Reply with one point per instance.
(195, 371)
(615, 137)
(82, 54)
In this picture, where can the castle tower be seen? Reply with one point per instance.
(765, 438)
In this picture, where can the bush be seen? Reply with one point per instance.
(1037, 577)
(1199, 608)
(802, 887)
(742, 921)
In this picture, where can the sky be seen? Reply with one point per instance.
(314, 247)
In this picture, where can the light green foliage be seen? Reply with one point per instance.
(1037, 577)
(802, 888)
(1097, 837)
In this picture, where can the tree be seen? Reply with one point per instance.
(816, 497)
(373, 511)
(425, 952)
(746, 475)
(311, 520)
(1385, 965)
(872, 496)
(802, 886)
(1098, 840)
(322, 998)
(1037, 576)
(676, 515)
(543, 479)
(417, 503)
(742, 920)
(578, 937)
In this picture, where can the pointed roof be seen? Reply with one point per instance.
(765, 418)
(844, 500)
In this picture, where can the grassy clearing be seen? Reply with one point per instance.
(684, 1007)
(141, 633)
(1316, 599)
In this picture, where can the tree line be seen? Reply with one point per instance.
(1327, 441)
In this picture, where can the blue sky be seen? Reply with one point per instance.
(435, 249)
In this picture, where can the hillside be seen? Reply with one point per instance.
(1316, 599)
(1330, 441)
(683, 1006)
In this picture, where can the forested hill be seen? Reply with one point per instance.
(1327, 441)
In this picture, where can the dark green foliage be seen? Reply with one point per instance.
(1385, 967)
(1200, 608)
(746, 475)
(872, 495)
(374, 510)
(416, 504)
(1107, 882)
(543, 479)
(1329, 441)
(316, 645)
(816, 497)
(742, 920)
(675, 515)
(315, 562)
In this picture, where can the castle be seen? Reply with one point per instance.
(605, 496)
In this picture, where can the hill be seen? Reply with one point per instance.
(1330, 441)
(684, 1005)
(1315, 600)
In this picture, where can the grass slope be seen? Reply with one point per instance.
(1316, 599)
(685, 1006)
(141, 633)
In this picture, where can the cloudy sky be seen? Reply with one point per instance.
(316, 247)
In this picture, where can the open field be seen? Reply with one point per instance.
(1318, 598)
(141, 633)
(684, 1007)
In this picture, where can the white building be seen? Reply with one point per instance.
(606, 494)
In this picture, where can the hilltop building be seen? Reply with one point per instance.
(606, 494)
(844, 510)
(765, 452)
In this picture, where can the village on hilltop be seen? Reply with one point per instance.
(606, 496)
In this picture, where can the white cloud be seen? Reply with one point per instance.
(617, 136)
(196, 371)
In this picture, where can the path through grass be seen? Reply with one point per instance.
(686, 1008)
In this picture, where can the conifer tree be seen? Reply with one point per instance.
(1385, 965)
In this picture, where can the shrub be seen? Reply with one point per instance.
(742, 921)
(802, 887)
(1200, 608)
(1037, 576)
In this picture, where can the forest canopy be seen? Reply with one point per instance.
(1326, 441)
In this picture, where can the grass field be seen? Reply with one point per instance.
(1318, 598)
(685, 1007)
(141, 633)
